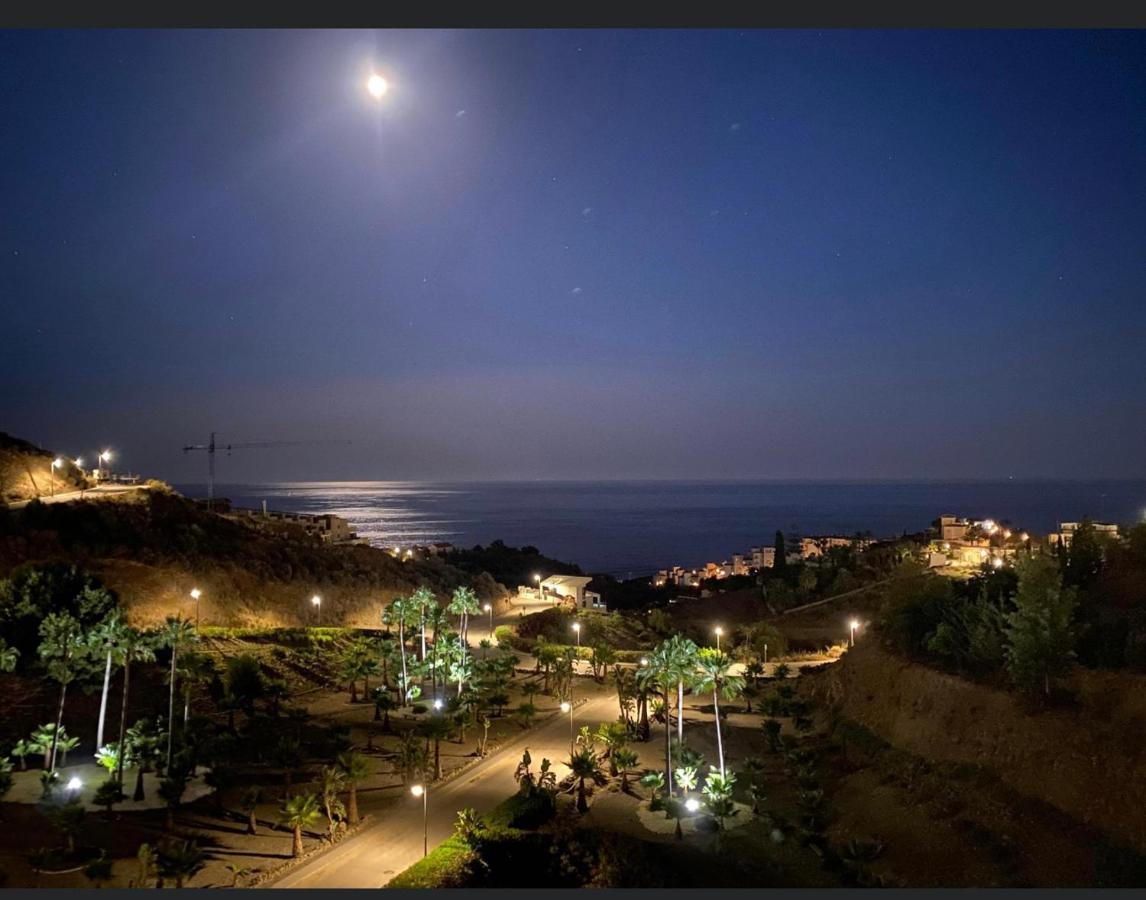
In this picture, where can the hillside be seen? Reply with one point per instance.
(1085, 759)
(26, 471)
(154, 549)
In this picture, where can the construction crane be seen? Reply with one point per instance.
(213, 445)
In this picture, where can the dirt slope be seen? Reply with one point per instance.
(1088, 760)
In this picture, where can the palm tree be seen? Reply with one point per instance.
(180, 860)
(301, 811)
(422, 599)
(106, 638)
(171, 789)
(356, 768)
(412, 755)
(463, 604)
(237, 872)
(384, 703)
(177, 632)
(662, 669)
(625, 759)
(398, 613)
(331, 782)
(134, 646)
(64, 653)
(715, 675)
(682, 655)
(249, 804)
(585, 766)
(437, 729)
(612, 736)
(194, 669)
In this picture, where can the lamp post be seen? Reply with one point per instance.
(316, 602)
(719, 631)
(540, 589)
(195, 595)
(419, 790)
(56, 463)
(101, 459)
(489, 609)
(854, 625)
(79, 464)
(577, 631)
(567, 706)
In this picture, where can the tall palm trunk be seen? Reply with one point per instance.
(680, 711)
(59, 725)
(296, 846)
(668, 748)
(402, 647)
(719, 741)
(171, 709)
(423, 625)
(123, 722)
(352, 803)
(103, 701)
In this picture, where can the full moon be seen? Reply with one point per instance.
(377, 86)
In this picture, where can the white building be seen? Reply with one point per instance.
(571, 589)
(1066, 530)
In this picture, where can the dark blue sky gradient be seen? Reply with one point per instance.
(653, 254)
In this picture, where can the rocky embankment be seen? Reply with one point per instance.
(1087, 759)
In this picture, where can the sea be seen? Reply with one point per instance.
(631, 529)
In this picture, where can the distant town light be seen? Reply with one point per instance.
(644, 660)
(997, 562)
(79, 462)
(57, 462)
(1024, 536)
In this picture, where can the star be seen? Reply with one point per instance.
(586, 211)
(575, 290)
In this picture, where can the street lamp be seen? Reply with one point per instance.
(567, 706)
(102, 458)
(437, 703)
(489, 609)
(577, 631)
(316, 602)
(644, 661)
(719, 631)
(692, 804)
(420, 791)
(854, 625)
(540, 589)
(74, 786)
(56, 463)
(195, 595)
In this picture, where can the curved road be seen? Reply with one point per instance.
(393, 842)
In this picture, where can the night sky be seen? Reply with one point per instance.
(564, 254)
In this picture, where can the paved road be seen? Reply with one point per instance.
(102, 490)
(394, 842)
